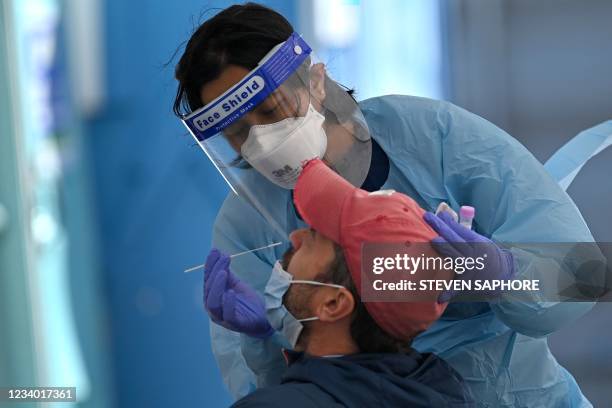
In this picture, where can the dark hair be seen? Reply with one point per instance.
(370, 338)
(239, 35)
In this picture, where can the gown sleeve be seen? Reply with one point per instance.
(516, 201)
(245, 363)
(449, 154)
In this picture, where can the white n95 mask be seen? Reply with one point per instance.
(278, 316)
(286, 75)
(278, 150)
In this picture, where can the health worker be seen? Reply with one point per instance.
(259, 104)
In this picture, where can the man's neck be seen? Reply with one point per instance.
(326, 343)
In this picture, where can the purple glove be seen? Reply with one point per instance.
(230, 302)
(456, 241)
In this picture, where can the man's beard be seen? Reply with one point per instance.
(296, 302)
(296, 299)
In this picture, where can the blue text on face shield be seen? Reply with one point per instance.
(241, 95)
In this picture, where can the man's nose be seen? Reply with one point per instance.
(297, 237)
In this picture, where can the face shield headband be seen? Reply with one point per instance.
(287, 110)
(273, 69)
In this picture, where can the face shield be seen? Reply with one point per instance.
(286, 111)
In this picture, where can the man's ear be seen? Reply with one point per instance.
(317, 86)
(336, 305)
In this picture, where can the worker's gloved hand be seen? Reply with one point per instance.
(456, 241)
(230, 302)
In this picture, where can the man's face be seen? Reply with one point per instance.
(310, 256)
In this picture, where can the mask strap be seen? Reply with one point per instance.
(309, 282)
(308, 319)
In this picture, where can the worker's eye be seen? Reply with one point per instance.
(270, 111)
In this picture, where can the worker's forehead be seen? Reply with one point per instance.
(230, 76)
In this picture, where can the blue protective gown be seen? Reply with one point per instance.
(438, 152)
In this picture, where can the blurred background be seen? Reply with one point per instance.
(105, 200)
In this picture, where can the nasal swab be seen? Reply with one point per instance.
(256, 249)
(195, 268)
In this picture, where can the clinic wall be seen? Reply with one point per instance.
(541, 71)
(157, 196)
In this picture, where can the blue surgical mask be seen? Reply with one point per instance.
(278, 316)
